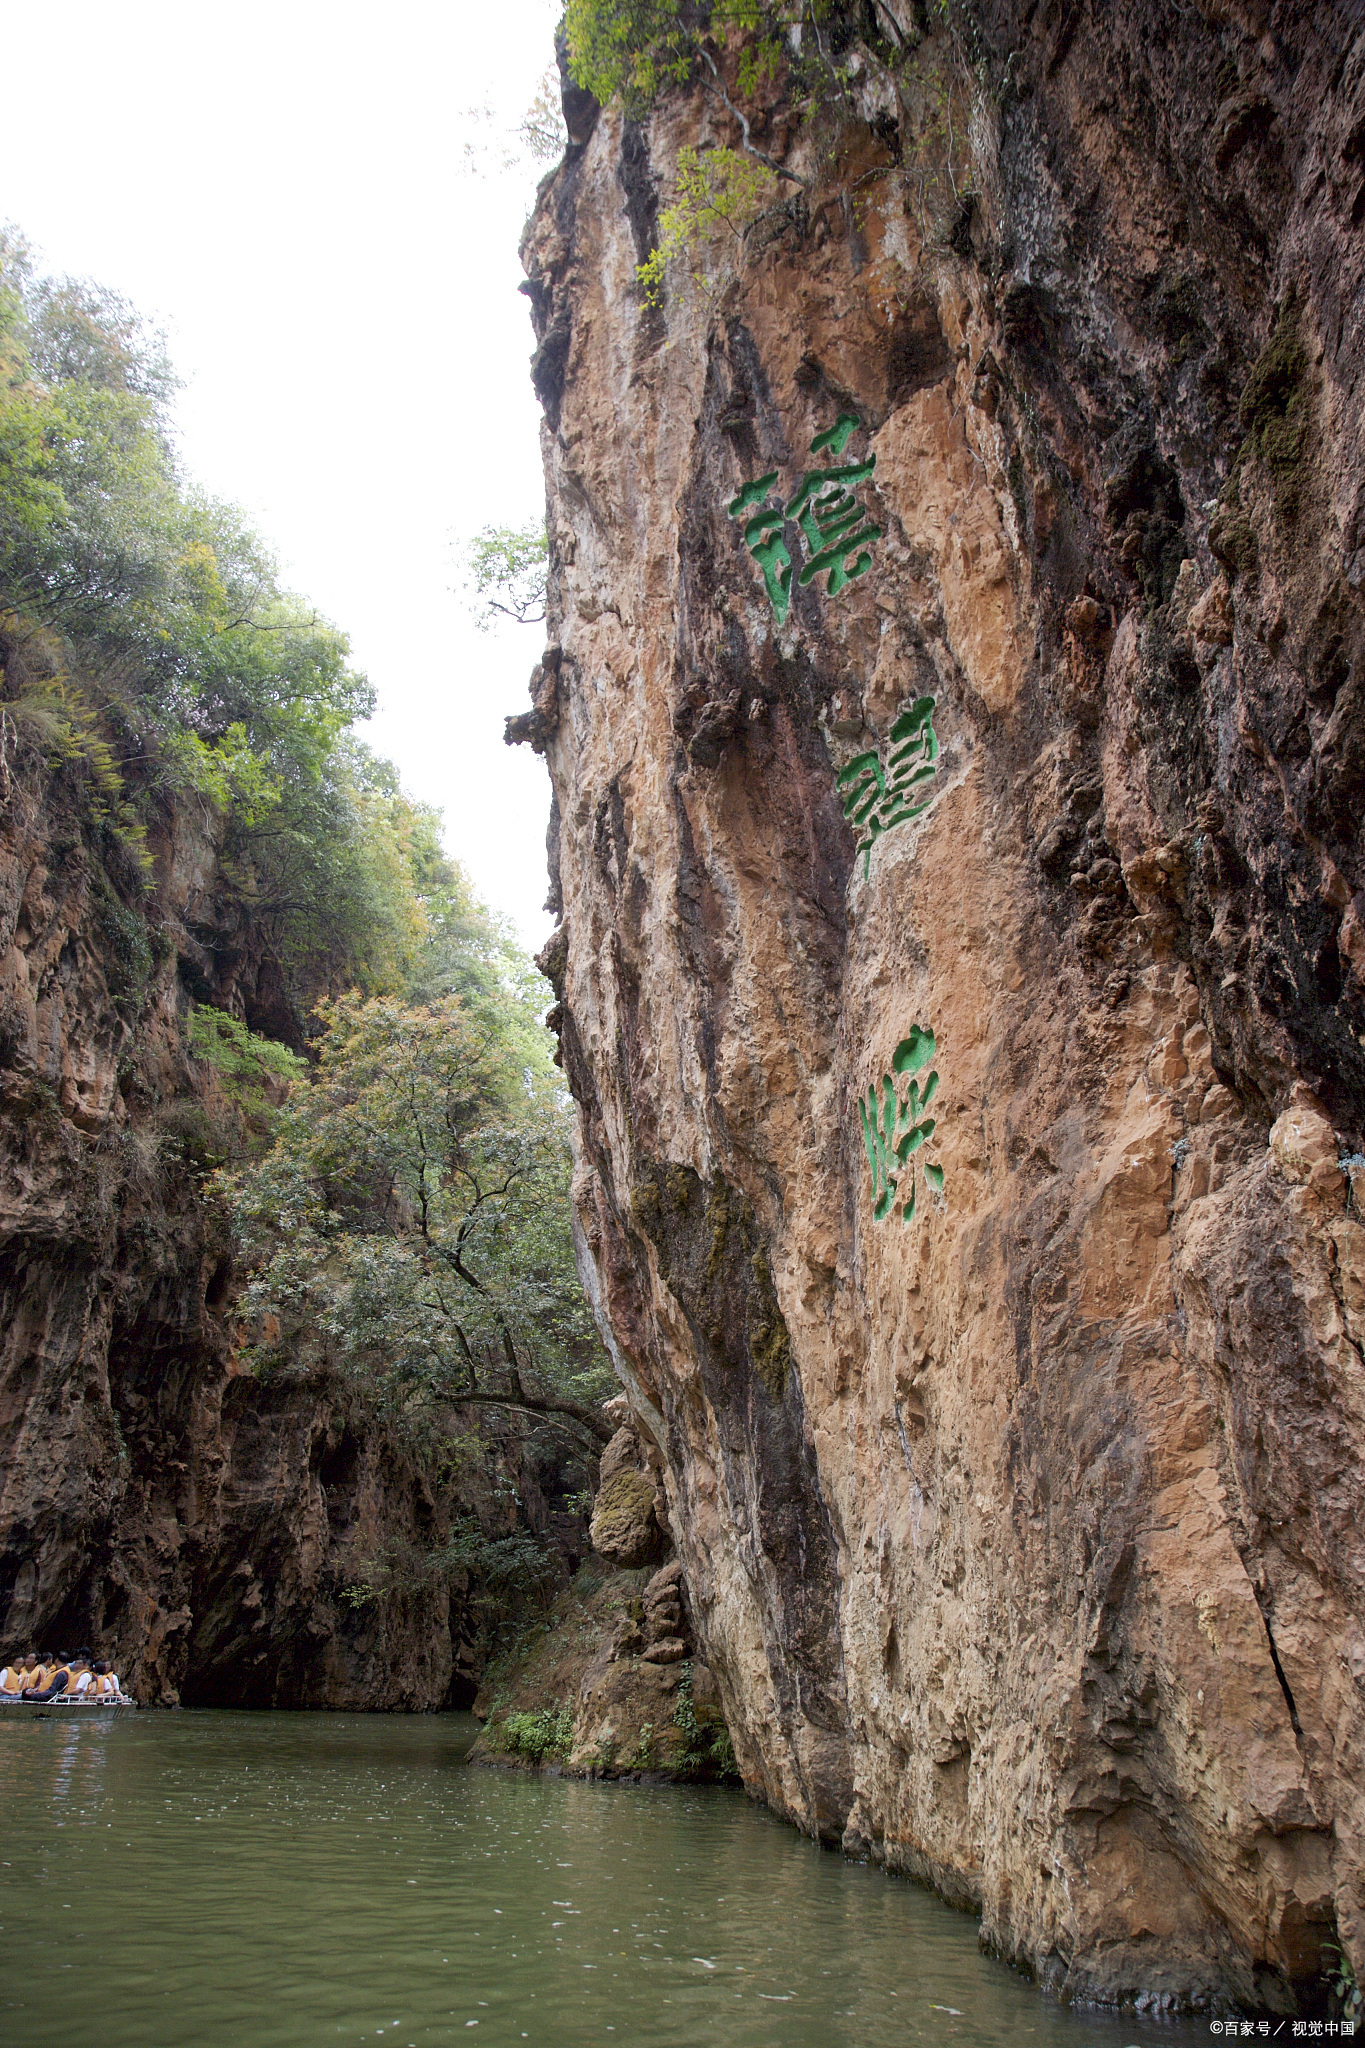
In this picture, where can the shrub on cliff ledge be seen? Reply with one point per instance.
(633, 51)
(536, 1736)
(717, 189)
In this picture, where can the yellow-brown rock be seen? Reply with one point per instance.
(1023, 1537)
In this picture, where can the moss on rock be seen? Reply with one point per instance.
(624, 1525)
(1274, 407)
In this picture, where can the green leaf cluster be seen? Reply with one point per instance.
(707, 1749)
(498, 1577)
(507, 570)
(546, 1732)
(716, 189)
(1341, 1979)
(244, 1061)
(633, 51)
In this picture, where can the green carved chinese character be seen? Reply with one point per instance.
(837, 531)
(895, 1127)
(763, 538)
(876, 797)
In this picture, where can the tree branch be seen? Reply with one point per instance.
(586, 1418)
(770, 163)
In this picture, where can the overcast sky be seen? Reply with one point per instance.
(286, 188)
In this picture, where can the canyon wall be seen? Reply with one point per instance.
(208, 1532)
(1022, 1521)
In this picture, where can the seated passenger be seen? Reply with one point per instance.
(80, 1678)
(49, 1681)
(104, 1680)
(40, 1673)
(16, 1676)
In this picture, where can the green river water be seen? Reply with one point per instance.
(219, 1880)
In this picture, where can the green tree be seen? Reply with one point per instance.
(148, 650)
(414, 1210)
(30, 497)
(717, 189)
(633, 51)
(507, 567)
(244, 1062)
(332, 874)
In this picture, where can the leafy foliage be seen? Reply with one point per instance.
(542, 130)
(547, 1732)
(1341, 1980)
(707, 1748)
(406, 1208)
(716, 189)
(414, 1210)
(632, 51)
(243, 1060)
(507, 566)
(150, 651)
(501, 1578)
(335, 874)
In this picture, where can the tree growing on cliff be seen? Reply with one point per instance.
(414, 1211)
(632, 51)
(717, 195)
(507, 568)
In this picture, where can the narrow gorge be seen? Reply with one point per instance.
(215, 1532)
(953, 707)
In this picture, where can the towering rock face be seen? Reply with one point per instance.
(1023, 1524)
(208, 1532)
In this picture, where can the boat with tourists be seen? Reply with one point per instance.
(74, 1687)
(73, 1709)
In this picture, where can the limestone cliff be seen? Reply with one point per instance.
(206, 1531)
(1022, 1527)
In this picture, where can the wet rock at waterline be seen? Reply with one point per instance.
(960, 1121)
(612, 1686)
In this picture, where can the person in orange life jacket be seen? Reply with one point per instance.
(48, 1681)
(80, 1677)
(17, 1675)
(70, 1676)
(45, 1667)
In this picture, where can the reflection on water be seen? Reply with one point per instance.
(207, 1880)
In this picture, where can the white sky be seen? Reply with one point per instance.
(285, 188)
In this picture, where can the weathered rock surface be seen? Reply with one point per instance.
(207, 1532)
(629, 1525)
(1024, 1538)
(617, 1659)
